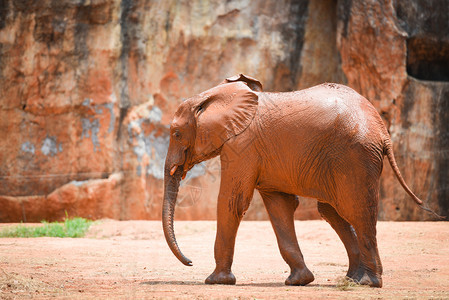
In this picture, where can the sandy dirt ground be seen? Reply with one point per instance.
(130, 260)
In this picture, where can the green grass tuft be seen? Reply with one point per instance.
(75, 227)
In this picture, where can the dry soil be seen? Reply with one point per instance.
(130, 260)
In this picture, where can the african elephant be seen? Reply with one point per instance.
(326, 142)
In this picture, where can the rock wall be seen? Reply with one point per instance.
(396, 53)
(88, 88)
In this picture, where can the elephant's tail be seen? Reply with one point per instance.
(388, 150)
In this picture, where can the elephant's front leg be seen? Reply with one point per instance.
(227, 225)
(233, 201)
(281, 208)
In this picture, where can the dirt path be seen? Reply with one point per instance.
(130, 260)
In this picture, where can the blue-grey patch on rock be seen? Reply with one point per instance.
(99, 110)
(78, 183)
(50, 147)
(87, 102)
(139, 150)
(131, 125)
(156, 148)
(155, 115)
(94, 128)
(27, 147)
(110, 107)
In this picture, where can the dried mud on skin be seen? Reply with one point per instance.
(131, 260)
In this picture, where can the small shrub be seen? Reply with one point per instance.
(75, 227)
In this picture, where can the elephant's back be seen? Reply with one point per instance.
(325, 108)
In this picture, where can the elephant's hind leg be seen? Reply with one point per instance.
(346, 233)
(364, 221)
(281, 208)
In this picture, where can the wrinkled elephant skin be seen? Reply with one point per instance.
(326, 142)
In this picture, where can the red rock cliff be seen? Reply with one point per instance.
(88, 88)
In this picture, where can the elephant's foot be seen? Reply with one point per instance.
(220, 278)
(300, 277)
(364, 277)
(352, 271)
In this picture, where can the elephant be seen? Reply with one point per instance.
(326, 142)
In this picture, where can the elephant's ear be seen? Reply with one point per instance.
(226, 112)
(253, 83)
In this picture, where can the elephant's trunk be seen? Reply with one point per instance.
(171, 187)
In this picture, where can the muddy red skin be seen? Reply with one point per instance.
(326, 142)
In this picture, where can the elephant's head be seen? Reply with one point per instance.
(200, 127)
